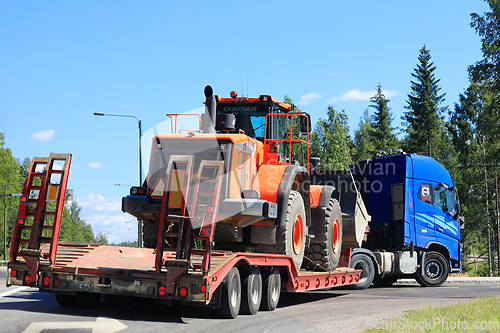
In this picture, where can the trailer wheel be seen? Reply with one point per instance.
(327, 253)
(291, 237)
(365, 264)
(271, 290)
(230, 295)
(434, 271)
(251, 292)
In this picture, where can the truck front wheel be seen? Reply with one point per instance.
(434, 271)
(364, 263)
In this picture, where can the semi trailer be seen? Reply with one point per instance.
(230, 216)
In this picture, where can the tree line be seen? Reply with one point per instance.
(12, 175)
(465, 138)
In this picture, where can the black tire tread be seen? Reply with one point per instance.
(281, 236)
(317, 252)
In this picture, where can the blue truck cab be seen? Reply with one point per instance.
(415, 224)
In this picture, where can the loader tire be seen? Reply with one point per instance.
(291, 237)
(327, 253)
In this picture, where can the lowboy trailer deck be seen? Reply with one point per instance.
(129, 271)
(79, 273)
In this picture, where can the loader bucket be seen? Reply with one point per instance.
(355, 217)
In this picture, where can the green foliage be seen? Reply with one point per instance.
(384, 136)
(475, 135)
(12, 175)
(128, 243)
(424, 122)
(102, 238)
(299, 150)
(11, 179)
(73, 228)
(460, 317)
(375, 133)
(331, 142)
(488, 28)
(364, 139)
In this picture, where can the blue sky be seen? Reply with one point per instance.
(61, 61)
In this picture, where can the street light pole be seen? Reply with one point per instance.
(139, 122)
(5, 220)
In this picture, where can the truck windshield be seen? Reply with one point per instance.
(444, 199)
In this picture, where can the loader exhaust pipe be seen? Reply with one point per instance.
(210, 110)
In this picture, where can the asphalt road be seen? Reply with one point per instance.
(27, 310)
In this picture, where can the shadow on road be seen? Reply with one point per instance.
(120, 308)
(291, 299)
(125, 308)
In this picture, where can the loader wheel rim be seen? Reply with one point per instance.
(298, 234)
(335, 235)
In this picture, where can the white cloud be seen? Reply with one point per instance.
(357, 95)
(43, 135)
(105, 216)
(309, 98)
(95, 165)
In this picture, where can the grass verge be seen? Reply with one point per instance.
(478, 315)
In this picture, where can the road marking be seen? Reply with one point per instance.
(101, 325)
(13, 291)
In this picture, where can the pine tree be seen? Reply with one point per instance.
(384, 134)
(423, 120)
(364, 142)
(331, 142)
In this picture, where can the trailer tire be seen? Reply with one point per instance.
(230, 295)
(251, 291)
(271, 290)
(385, 281)
(150, 234)
(365, 264)
(290, 237)
(434, 271)
(327, 253)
